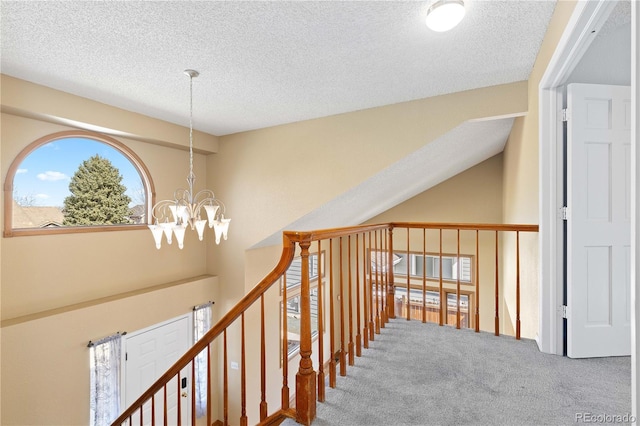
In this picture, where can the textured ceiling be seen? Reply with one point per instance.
(264, 63)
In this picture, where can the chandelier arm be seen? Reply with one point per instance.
(161, 212)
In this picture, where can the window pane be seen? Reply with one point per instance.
(294, 273)
(418, 265)
(400, 263)
(465, 268)
(294, 312)
(434, 262)
(452, 310)
(62, 183)
(447, 268)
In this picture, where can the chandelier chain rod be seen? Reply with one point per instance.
(185, 209)
(191, 127)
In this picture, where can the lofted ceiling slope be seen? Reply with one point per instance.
(463, 147)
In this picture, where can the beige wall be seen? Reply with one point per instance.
(45, 369)
(87, 266)
(60, 291)
(473, 196)
(23, 98)
(521, 197)
(269, 178)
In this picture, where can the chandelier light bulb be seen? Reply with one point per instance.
(444, 15)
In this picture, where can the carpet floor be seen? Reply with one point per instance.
(424, 374)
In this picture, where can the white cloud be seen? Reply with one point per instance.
(52, 176)
(19, 171)
(52, 145)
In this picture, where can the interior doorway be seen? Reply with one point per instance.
(588, 19)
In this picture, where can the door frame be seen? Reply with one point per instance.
(574, 42)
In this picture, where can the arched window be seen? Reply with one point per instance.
(76, 181)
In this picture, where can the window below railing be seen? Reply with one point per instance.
(414, 264)
(292, 280)
(418, 306)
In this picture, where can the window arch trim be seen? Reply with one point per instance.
(145, 177)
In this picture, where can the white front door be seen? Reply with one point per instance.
(148, 354)
(598, 226)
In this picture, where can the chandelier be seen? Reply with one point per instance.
(171, 217)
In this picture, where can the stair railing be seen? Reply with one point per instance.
(365, 274)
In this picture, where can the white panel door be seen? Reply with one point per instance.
(598, 227)
(149, 354)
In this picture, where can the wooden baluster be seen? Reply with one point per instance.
(164, 406)
(408, 278)
(365, 294)
(153, 410)
(306, 377)
(243, 375)
(497, 315)
(225, 379)
(141, 416)
(193, 391)
(320, 301)
(370, 287)
(383, 284)
(477, 281)
(424, 275)
(179, 402)
(343, 357)
(332, 346)
(458, 284)
(358, 313)
(391, 296)
(377, 283)
(370, 265)
(263, 366)
(285, 346)
(350, 302)
(385, 281)
(443, 304)
(209, 385)
(518, 285)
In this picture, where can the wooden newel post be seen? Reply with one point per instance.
(390, 284)
(306, 377)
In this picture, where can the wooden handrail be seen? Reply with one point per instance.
(288, 251)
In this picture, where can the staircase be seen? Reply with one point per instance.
(339, 308)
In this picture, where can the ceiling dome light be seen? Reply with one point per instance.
(443, 15)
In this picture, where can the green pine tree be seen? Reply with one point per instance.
(98, 196)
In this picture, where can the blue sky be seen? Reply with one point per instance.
(45, 174)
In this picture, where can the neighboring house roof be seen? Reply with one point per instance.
(36, 216)
(137, 213)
